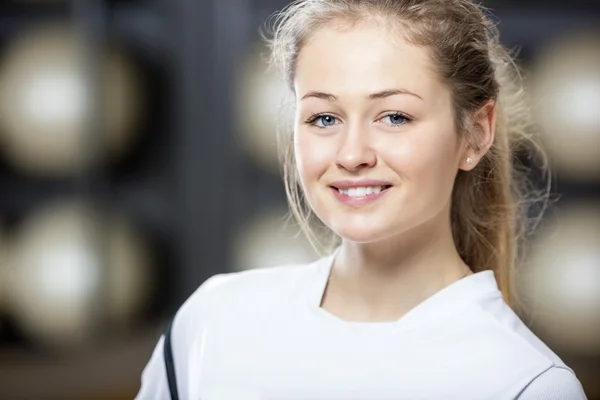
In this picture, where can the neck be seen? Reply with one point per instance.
(384, 280)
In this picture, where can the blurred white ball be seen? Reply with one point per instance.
(62, 286)
(560, 285)
(566, 100)
(46, 102)
(268, 240)
(265, 105)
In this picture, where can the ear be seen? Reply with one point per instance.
(485, 121)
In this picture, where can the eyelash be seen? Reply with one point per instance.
(313, 118)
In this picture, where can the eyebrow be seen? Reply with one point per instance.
(374, 96)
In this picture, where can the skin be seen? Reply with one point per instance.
(397, 251)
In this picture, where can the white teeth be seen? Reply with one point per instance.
(361, 191)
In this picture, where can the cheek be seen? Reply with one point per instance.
(426, 157)
(439, 166)
(313, 155)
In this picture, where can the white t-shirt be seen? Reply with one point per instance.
(261, 334)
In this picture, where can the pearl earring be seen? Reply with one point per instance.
(469, 160)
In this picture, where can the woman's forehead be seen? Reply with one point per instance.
(364, 59)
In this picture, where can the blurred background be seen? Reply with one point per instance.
(138, 158)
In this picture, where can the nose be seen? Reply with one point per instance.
(355, 151)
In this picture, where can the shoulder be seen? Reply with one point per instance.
(230, 297)
(542, 374)
(230, 291)
(510, 329)
(280, 279)
(554, 384)
(227, 295)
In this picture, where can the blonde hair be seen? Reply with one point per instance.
(490, 204)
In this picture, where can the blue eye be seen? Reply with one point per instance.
(322, 120)
(397, 119)
(327, 120)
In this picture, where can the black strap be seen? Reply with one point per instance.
(169, 364)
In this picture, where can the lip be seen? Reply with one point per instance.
(362, 200)
(359, 183)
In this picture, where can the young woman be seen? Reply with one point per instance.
(407, 116)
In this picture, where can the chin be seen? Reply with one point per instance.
(359, 232)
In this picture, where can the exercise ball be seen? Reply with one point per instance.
(47, 102)
(270, 240)
(560, 283)
(566, 99)
(75, 274)
(265, 105)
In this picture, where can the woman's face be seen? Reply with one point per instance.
(375, 144)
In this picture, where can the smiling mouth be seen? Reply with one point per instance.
(362, 191)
